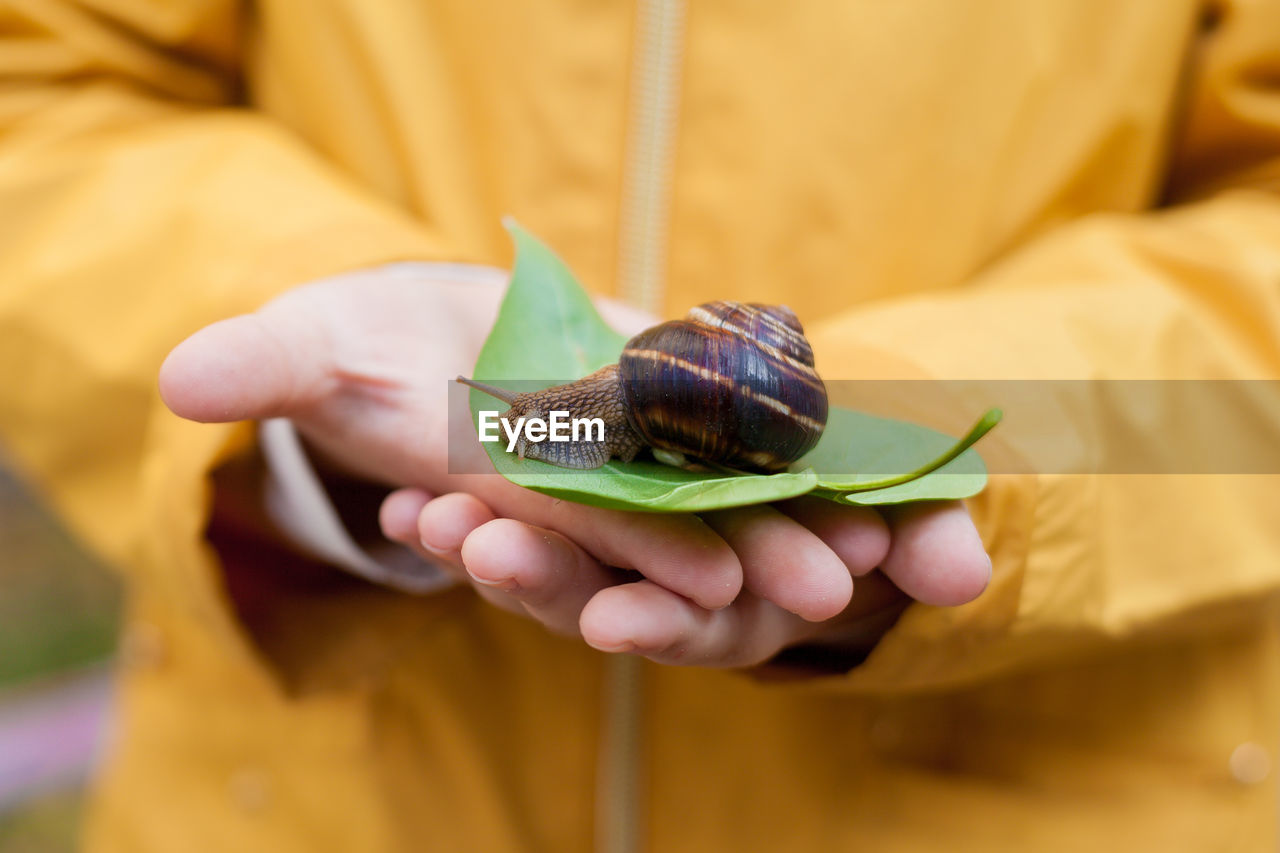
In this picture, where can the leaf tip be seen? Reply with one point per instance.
(985, 424)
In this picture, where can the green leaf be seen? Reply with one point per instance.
(548, 329)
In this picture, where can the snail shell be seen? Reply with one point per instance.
(730, 383)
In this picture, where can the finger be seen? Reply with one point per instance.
(398, 515)
(442, 528)
(783, 562)
(398, 518)
(246, 368)
(550, 576)
(444, 524)
(936, 555)
(857, 534)
(679, 552)
(652, 621)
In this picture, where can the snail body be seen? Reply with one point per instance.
(730, 384)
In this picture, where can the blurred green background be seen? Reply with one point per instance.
(59, 616)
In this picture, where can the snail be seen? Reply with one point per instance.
(731, 385)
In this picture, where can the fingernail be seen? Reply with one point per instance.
(504, 584)
(617, 649)
(432, 549)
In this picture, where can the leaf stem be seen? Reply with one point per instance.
(977, 431)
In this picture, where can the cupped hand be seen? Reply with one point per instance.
(361, 364)
(813, 572)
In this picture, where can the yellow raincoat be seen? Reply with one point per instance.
(966, 187)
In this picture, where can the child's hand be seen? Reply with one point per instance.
(798, 561)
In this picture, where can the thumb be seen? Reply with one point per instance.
(246, 368)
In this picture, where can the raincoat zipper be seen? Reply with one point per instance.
(646, 188)
(642, 257)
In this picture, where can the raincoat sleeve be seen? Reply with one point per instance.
(137, 205)
(1187, 292)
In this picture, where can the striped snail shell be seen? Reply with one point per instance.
(731, 384)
